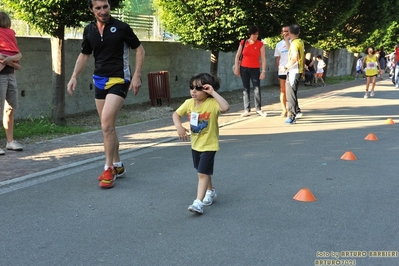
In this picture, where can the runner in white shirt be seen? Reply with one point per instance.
(281, 54)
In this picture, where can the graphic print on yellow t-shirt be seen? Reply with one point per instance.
(203, 121)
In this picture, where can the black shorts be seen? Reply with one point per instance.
(203, 161)
(282, 77)
(117, 89)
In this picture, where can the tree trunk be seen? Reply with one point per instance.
(326, 55)
(214, 63)
(58, 77)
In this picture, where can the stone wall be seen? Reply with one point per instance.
(34, 79)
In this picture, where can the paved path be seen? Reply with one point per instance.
(55, 214)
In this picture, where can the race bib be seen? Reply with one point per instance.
(194, 119)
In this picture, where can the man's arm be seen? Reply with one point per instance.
(135, 83)
(277, 61)
(80, 65)
(263, 62)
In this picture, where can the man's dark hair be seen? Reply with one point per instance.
(294, 29)
(90, 3)
(253, 29)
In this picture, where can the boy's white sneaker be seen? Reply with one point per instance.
(196, 207)
(209, 196)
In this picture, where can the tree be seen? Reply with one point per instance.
(372, 25)
(142, 7)
(51, 17)
(218, 25)
(212, 25)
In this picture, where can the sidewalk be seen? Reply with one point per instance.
(73, 151)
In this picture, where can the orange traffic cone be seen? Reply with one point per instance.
(389, 121)
(371, 137)
(304, 195)
(349, 156)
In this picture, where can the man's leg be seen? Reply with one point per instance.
(283, 98)
(290, 94)
(291, 87)
(108, 111)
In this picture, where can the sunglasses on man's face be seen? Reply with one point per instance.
(197, 87)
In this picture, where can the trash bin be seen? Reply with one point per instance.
(158, 85)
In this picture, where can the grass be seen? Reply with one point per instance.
(27, 128)
(338, 79)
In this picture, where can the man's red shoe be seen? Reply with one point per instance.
(107, 178)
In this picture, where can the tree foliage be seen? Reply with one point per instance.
(376, 25)
(209, 25)
(51, 17)
(140, 7)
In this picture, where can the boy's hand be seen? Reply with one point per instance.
(208, 89)
(182, 133)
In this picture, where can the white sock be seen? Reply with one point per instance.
(118, 164)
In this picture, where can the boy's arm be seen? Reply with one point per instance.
(181, 131)
(223, 104)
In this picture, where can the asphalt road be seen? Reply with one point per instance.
(64, 218)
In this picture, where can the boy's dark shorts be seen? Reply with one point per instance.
(117, 89)
(203, 161)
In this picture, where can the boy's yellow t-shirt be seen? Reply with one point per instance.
(204, 124)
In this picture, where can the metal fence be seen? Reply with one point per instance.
(146, 27)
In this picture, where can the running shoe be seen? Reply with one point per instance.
(209, 196)
(107, 178)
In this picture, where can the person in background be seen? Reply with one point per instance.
(109, 40)
(383, 61)
(309, 70)
(8, 45)
(252, 67)
(281, 54)
(372, 69)
(320, 70)
(395, 62)
(8, 81)
(294, 69)
(359, 64)
(203, 110)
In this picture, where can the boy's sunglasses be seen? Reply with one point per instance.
(198, 88)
